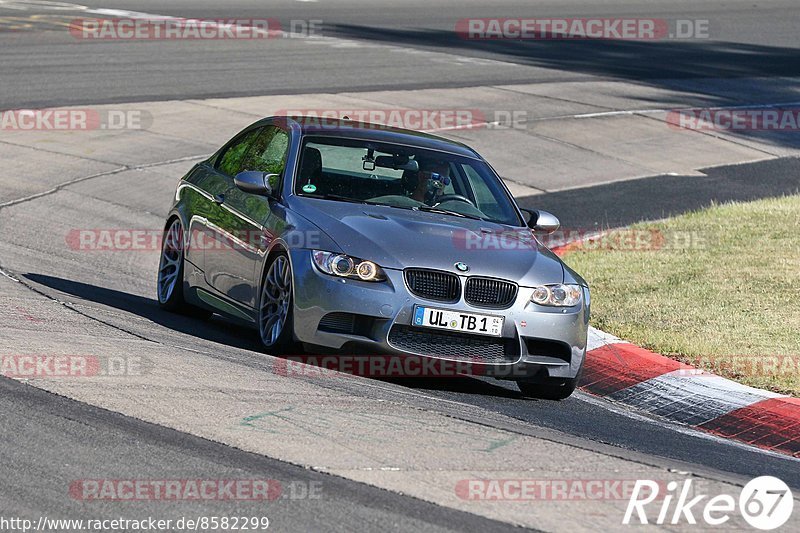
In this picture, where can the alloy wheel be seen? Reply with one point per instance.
(276, 296)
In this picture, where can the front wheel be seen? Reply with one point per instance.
(275, 316)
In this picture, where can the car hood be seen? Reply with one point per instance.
(401, 238)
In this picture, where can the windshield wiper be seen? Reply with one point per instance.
(423, 207)
(340, 198)
(429, 209)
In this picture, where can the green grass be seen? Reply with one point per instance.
(722, 292)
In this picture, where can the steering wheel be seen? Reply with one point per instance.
(453, 197)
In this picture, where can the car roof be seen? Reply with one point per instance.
(330, 127)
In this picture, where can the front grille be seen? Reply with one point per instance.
(433, 284)
(488, 292)
(454, 346)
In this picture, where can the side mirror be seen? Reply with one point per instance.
(542, 221)
(255, 182)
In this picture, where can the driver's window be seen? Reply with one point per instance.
(232, 160)
(268, 151)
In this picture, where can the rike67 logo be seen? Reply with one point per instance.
(765, 503)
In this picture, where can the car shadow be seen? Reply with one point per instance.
(656, 60)
(459, 384)
(622, 203)
(217, 329)
(221, 330)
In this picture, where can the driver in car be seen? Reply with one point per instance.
(432, 178)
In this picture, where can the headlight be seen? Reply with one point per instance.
(558, 295)
(344, 266)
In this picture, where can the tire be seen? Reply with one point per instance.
(276, 307)
(553, 390)
(169, 286)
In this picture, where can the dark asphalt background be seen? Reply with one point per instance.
(45, 65)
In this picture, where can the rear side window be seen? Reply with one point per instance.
(231, 161)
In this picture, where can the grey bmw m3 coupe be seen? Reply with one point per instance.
(361, 238)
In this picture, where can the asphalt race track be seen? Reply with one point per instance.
(376, 48)
(205, 403)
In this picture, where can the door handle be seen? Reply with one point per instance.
(218, 198)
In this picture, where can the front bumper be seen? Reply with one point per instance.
(535, 339)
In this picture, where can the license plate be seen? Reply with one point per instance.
(428, 317)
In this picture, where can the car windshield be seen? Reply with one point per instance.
(350, 170)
